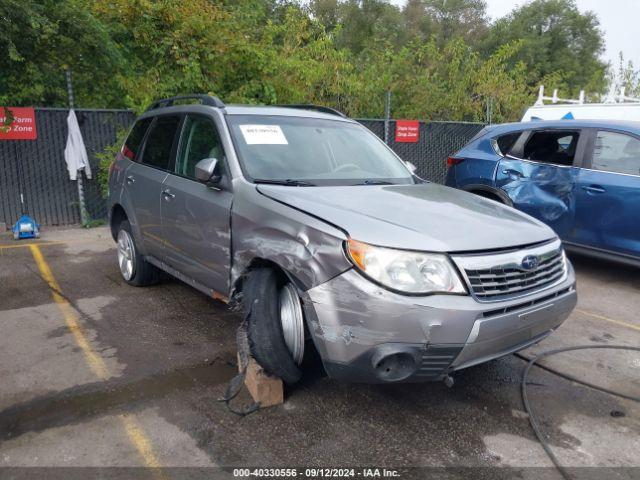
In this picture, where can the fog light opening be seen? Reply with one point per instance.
(395, 367)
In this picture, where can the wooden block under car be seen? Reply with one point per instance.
(264, 388)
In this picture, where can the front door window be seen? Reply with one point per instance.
(616, 153)
(200, 140)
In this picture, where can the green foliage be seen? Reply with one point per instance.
(45, 37)
(440, 59)
(105, 158)
(465, 19)
(95, 222)
(450, 82)
(626, 76)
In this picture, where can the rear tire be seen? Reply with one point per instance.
(261, 300)
(135, 270)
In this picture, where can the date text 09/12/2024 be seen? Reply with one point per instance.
(316, 473)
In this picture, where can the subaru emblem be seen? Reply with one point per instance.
(530, 262)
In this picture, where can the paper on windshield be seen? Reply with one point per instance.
(263, 135)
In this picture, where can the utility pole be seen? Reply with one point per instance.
(81, 202)
(387, 116)
(489, 113)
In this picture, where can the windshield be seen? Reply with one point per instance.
(311, 151)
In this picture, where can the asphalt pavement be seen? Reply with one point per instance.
(96, 373)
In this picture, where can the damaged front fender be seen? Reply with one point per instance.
(308, 249)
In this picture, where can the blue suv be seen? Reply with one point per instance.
(581, 177)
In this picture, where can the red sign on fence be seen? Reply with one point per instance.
(18, 123)
(407, 131)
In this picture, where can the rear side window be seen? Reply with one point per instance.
(552, 146)
(617, 153)
(159, 143)
(503, 144)
(132, 144)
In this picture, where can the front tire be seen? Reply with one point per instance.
(135, 270)
(272, 307)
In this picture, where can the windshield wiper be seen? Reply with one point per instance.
(375, 182)
(288, 181)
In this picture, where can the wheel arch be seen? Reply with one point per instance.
(488, 191)
(261, 262)
(117, 215)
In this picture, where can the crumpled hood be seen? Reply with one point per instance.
(428, 217)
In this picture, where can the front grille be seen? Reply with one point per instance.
(501, 275)
(530, 303)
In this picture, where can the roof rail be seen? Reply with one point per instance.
(204, 99)
(317, 108)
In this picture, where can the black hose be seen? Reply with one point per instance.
(532, 419)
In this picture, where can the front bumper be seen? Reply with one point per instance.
(366, 333)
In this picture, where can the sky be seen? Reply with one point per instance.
(618, 20)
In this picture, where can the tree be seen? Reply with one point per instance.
(170, 47)
(447, 19)
(44, 38)
(624, 76)
(342, 53)
(449, 82)
(558, 41)
(358, 24)
(327, 12)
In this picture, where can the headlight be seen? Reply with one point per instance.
(404, 271)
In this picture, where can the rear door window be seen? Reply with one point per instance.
(617, 153)
(133, 143)
(557, 147)
(504, 143)
(159, 144)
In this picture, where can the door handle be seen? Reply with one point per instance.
(593, 189)
(168, 195)
(131, 180)
(512, 173)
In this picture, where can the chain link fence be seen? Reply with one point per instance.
(436, 141)
(34, 177)
(33, 173)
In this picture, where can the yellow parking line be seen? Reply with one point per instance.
(29, 245)
(607, 319)
(52, 242)
(140, 440)
(97, 365)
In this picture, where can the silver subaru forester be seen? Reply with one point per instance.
(328, 240)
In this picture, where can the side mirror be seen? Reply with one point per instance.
(206, 171)
(412, 168)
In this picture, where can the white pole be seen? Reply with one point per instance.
(540, 101)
